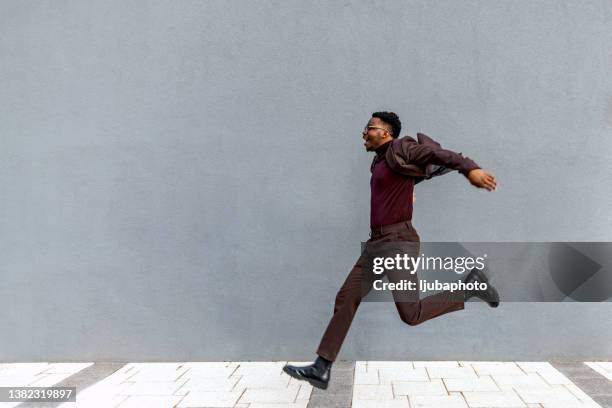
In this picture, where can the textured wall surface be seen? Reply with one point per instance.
(186, 180)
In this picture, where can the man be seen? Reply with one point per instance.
(397, 166)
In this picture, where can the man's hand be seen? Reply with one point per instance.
(482, 179)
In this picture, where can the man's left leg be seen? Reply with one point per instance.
(413, 310)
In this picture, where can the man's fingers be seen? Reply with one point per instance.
(490, 181)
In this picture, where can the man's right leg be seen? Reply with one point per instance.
(347, 302)
(345, 306)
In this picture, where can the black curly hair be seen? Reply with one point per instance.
(392, 120)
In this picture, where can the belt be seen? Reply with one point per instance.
(385, 229)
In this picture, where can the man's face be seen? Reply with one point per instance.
(375, 134)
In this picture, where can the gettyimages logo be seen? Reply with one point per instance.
(521, 272)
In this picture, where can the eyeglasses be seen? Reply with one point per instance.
(366, 128)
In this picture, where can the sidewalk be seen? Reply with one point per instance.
(361, 384)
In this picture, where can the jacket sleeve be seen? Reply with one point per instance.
(422, 155)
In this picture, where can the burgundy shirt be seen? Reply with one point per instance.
(391, 199)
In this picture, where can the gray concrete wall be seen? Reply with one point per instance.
(186, 180)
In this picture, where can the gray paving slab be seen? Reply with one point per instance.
(339, 394)
(588, 380)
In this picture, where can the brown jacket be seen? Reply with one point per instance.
(424, 159)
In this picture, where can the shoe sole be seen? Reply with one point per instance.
(319, 384)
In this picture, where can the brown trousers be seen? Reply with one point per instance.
(350, 294)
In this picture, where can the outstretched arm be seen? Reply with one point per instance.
(423, 155)
(482, 179)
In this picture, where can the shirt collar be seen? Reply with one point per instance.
(381, 150)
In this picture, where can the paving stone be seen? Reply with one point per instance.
(59, 368)
(576, 370)
(451, 372)
(299, 404)
(260, 381)
(499, 369)
(534, 366)
(305, 392)
(158, 375)
(367, 377)
(554, 377)
(434, 387)
(606, 365)
(339, 394)
(48, 380)
(396, 403)
(153, 388)
(604, 401)
(507, 382)
(150, 402)
(501, 399)
(391, 365)
(214, 371)
(484, 383)
(372, 392)
(209, 399)
(210, 384)
(560, 395)
(448, 401)
(17, 369)
(438, 364)
(408, 374)
(579, 393)
(260, 368)
(471, 363)
(568, 405)
(266, 395)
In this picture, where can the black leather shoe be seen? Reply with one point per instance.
(316, 375)
(489, 295)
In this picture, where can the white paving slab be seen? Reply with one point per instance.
(267, 395)
(484, 383)
(391, 365)
(501, 399)
(152, 388)
(395, 403)
(531, 380)
(438, 364)
(366, 377)
(505, 368)
(299, 404)
(447, 401)
(408, 374)
(150, 402)
(410, 388)
(263, 381)
(210, 384)
(380, 392)
(558, 395)
(451, 372)
(209, 399)
(69, 368)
